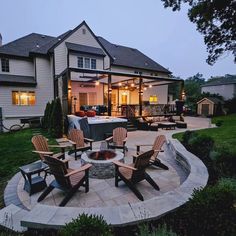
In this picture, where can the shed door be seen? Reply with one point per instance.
(205, 109)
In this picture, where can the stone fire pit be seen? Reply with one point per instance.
(102, 168)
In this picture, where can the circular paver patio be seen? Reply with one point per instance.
(119, 206)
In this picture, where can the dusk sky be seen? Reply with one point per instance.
(167, 37)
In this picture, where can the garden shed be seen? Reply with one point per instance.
(209, 106)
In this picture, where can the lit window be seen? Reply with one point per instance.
(87, 63)
(93, 64)
(5, 65)
(80, 62)
(23, 98)
(153, 99)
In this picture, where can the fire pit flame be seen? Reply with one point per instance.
(102, 155)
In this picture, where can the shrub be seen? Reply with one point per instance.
(57, 119)
(201, 145)
(187, 136)
(160, 231)
(230, 105)
(224, 162)
(211, 211)
(87, 225)
(219, 123)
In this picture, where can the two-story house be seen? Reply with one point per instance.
(79, 67)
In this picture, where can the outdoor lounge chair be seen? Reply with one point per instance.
(80, 143)
(134, 173)
(67, 180)
(42, 148)
(156, 147)
(118, 140)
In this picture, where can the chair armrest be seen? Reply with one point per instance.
(72, 142)
(44, 153)
(82, 168)
(109, 139)
(120, 164)
(88, 140)
(158, 150)
(125, 140)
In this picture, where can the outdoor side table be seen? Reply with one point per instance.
(64, 143)
(34, 184)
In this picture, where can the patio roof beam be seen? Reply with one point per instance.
(122, 74)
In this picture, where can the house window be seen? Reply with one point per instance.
(5, 65)
(153, 99)
(93, 64)
(23, 98)
(87, 63)
(80, 62)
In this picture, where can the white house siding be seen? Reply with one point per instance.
(43, 93)
(160, 91)
(226, 91)
(19, 67)
(79, 38)
(73, 59)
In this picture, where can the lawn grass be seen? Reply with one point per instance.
(224, 136)
(16, 150)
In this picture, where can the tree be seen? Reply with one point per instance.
(216, 20)
(57, 119)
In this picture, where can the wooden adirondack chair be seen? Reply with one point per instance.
(134, 173)
(67, 180)
(80, 143)
(118, 140)
(42, 148)
(157, 147)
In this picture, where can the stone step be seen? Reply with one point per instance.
(10, 218)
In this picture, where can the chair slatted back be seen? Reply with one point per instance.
(142, 161)
(77, 136)
(59, 170)
(40, 144)
(158, 143)
(119, 135)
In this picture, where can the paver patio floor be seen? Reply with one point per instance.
(103, 192)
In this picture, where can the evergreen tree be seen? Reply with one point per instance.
(57, 119)
(45, 119)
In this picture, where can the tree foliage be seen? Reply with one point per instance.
(216, 20)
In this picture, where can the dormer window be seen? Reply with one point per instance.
(5, 65)
(86, 62)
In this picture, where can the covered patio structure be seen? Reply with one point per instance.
(124, 94)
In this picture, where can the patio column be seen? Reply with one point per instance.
(140, 92)
(109, 95)
(69, 93)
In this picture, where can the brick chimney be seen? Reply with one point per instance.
(0, 40)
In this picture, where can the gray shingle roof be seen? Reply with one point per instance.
(23, 46)
(131, 57)
(17, 80)
(85, 49)
(121, 55)
(221, 81)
